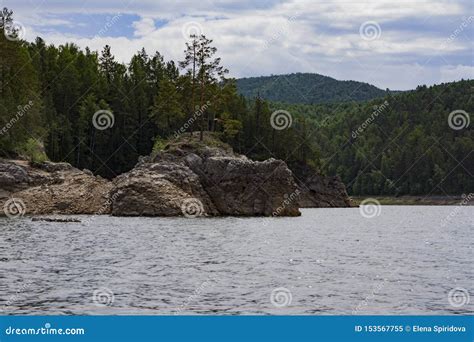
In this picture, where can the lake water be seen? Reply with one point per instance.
(407, 260)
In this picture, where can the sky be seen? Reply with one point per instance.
(391, 44)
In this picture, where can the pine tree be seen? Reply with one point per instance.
(167, 112)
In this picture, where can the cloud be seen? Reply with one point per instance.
(456, 72)
(144, 27)
(414, 44)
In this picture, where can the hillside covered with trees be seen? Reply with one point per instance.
(86, 108)
(417, 142)
(307, 88)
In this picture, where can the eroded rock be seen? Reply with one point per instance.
(188, 177)
(50, 188)
(223, 182)
(318, 191)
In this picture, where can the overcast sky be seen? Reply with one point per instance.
(391, 44)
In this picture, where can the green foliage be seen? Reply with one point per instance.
(21, 105)
(408, 149)
(158, 146)
(230, 126)
(167, 112)
(205, 72)
(32, 150)
(306, 89)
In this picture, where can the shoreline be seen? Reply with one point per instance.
(418, 200)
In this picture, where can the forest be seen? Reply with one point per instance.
(52, 93)
(64, 103)
(402, 144)
(307, 88)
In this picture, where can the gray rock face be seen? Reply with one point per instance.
(12, 176)
(191, 176)
(52, 167)
(50, 188)
(239, 186)
(188, 177)
(318, 191)
(158, 189)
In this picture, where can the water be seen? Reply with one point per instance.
(331, 261)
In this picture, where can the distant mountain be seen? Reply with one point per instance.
(307, 89)
(418, 142)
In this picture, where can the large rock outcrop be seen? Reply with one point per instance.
(319, 191)
(188, 177)
(204, 178)
(51, 188)
(159, 189)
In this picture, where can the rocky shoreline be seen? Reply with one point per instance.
(187, 177)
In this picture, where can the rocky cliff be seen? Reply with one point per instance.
(319, 191)
(204, 178)
(187, 177)
(51, 188)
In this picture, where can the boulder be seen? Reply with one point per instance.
(239, 186)
(158, 189)
(53, 188)
(319, 191)
(12, 176)
(194, 178)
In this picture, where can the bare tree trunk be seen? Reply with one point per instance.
(193, 85)
(203, 87)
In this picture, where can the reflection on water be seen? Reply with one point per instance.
(328, 261)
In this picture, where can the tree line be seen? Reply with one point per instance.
(143, 103)
(306, 88)
(418, 142)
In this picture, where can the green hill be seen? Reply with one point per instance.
(307, 89)
(418, 142)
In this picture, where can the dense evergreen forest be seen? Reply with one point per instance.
(86, 108)
(400, 144)
(50, 96)
(307, 88)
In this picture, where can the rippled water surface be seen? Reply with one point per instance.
(328, 261)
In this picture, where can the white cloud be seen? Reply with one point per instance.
(290, 36)
(144, 27)
(456, 72)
